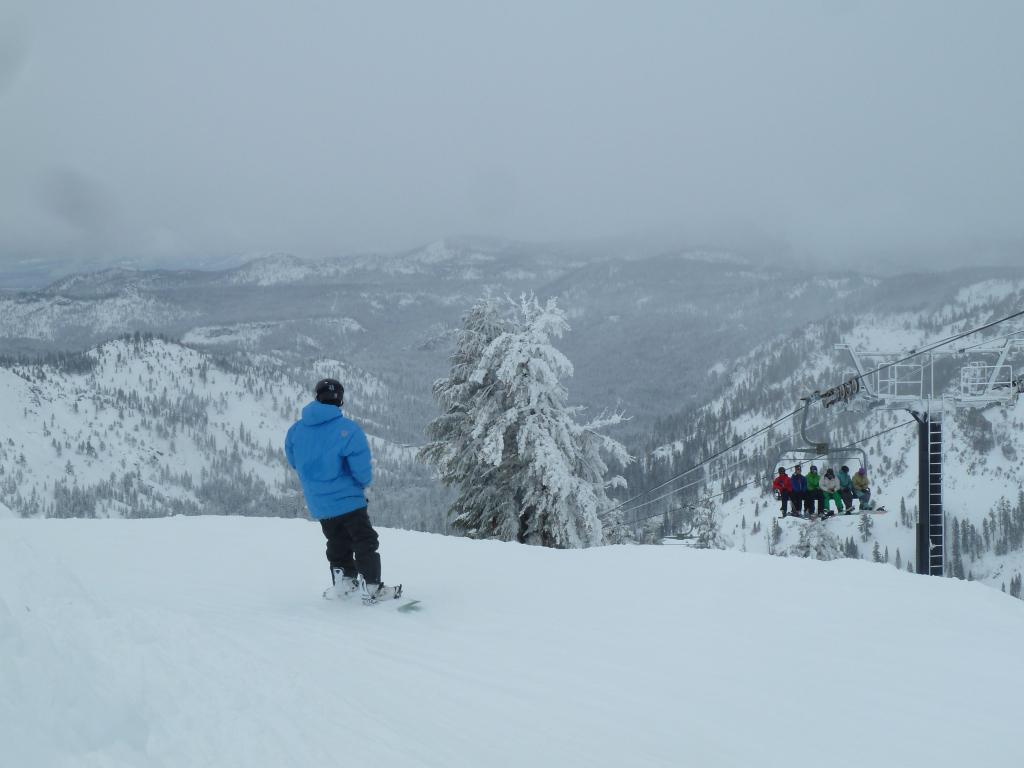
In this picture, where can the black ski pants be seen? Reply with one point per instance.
(784, 498)
(815, 498)
(797, 498)
(352, 545)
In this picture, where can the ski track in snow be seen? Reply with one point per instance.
(204, 642)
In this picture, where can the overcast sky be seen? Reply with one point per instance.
(165, 130)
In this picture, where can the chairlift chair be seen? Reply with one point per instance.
(821, 452)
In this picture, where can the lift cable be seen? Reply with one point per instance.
(941, 343)
(709, 459)
(916, 353)
(1009, 335)
(713, 496)
(702, 481)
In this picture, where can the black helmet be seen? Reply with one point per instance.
(782, 470)
(813, 468)
(329, 391)
(845, 468)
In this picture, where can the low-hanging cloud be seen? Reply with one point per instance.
(829, 130)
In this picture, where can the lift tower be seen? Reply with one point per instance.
(986, 378)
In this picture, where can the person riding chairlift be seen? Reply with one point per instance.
(845, 488)
(783, 488)
(830, 492)
(814, 493)
(798, 490)
(862, 490)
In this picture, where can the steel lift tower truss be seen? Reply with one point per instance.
(986, 378)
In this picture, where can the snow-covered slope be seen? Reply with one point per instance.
(142, 427)
(43, 317)
(203, 641)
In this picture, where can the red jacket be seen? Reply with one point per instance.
(782, 483)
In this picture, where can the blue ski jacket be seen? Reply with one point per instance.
(798, 483)
(332, 457)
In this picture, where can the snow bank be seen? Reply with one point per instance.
(203, 641)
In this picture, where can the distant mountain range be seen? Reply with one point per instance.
(694, 346)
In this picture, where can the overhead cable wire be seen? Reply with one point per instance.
(709, 459)
(701, 481)
(807, 402)
(941, 343)
(713, 496)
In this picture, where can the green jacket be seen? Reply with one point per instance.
(813, 481)
(860, 482)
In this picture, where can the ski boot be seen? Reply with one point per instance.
(343, 586)
(375, 593)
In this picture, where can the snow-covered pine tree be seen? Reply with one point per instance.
(774, 536)
(536, 476)
(817, 543)
(707, 530)
(453, 448)
(864, 526)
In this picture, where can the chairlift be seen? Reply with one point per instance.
(823, 453)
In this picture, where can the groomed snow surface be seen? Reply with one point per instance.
(204, 642)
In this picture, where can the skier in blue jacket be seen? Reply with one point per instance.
(331, 455)
(798, 493)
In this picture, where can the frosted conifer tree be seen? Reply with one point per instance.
(453, 448)
(817, 543)
(536, 476)
(864, 526)
(707, 531)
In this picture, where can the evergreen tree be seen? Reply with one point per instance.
(774, 536)
(876, 553)
(817, 543)
(864, 526)
(454, 448)
(956, 563)
(707, 530)
(899, 560)
(536, 475)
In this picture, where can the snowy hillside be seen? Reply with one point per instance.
(46, 318)
(983, 480)
(203, 641)
(145, 427)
